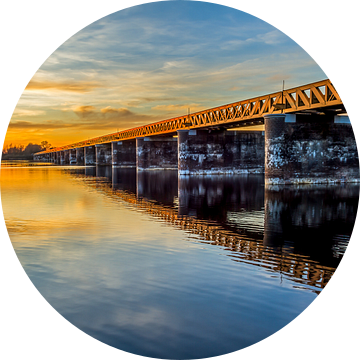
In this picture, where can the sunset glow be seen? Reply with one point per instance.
(139, 66)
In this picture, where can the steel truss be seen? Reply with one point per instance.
(315, 96)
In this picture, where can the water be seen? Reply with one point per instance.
(170, 267)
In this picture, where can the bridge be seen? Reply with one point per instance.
(299, 124)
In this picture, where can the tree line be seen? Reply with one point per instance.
(11, 151)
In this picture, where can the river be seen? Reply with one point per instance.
(174, 267)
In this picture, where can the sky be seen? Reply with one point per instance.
(153, 62)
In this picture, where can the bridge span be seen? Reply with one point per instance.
(306, 138)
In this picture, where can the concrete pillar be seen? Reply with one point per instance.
(62, 157)
(89, 155)
(124, 153)
(72, 156)
(156, 153)
(52, 157)
(220, 152)
(103, 154)
(80, 156)
(57, 157)
(306, 149)
(274, 147)
(67, 157)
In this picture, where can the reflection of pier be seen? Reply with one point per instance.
(298, 234)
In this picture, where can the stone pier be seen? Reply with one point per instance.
(220, 151)
(156, 152)
(309, 149)
(72, 156)
(103, 154)
(89, 155)
(124, 153)
(64, 157)
(80, 156)
(57, 157)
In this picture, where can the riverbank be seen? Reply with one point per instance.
(16, 157)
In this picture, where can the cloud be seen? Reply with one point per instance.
(108, 118)
(78, 87)
(85, 111)
(27, 125)
(176, 107)
(121, 112)
(28, 112)
(278, 78)
(272, 37)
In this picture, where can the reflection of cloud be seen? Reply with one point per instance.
(79, 87)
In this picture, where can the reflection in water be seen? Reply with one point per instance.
(160, 186)
(298, 232)
(170, 267)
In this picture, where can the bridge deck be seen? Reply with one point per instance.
(315, 96)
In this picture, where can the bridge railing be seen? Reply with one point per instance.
(306, 97)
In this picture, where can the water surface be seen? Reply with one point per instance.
(174, 267)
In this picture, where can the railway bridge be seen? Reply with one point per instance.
(306, 138)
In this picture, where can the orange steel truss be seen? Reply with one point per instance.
(315, 96)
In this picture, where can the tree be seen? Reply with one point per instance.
(32, 148)
(45, 145)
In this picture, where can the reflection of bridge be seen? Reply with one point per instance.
(201, 142)
(260, 244)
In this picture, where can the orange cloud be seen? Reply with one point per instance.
(85, 111)
(27, 125)
(79, 87)
(117, 112)
(192, 107)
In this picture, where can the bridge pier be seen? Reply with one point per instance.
(124, 153)
(156, 153)
(57, 157)
(309, 149)
(80, 155)
(72, 156)
(89, 155)
(67, 157)
(103, 154)
(220, 151)
(64, 156)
